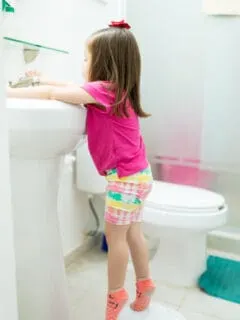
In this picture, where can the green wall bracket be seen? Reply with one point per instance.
(6, 7)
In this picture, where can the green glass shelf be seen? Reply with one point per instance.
(34, 45)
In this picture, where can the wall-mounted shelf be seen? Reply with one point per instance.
(34, 45)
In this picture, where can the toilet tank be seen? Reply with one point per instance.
(87, 177)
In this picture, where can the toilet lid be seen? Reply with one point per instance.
(180, 198)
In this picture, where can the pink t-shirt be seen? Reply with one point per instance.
(114, 142)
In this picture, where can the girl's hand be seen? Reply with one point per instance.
(43, 80)
(33, 73)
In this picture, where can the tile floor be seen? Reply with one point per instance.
(87, 283)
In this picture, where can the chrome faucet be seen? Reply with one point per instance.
(29, 55)
(24, 82)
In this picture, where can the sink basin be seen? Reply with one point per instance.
(40, 133)
(43, 128)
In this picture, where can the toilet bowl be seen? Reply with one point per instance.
(181, 216)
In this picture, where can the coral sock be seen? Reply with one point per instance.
(145, 289)
(115, 303)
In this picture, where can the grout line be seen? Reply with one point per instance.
(186, 291)
(202, 314)
(210, 316)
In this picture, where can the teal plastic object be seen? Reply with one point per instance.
(6, 7)
(222, 279)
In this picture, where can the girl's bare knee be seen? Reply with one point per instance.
(134, 232)
(115, 233)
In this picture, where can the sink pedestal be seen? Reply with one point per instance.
(40, 133)
(42, 290)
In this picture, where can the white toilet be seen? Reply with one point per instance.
(180, 217)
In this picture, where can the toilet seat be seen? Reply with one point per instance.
(184, 207)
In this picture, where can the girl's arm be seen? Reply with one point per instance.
(72, 94)
(48, 82)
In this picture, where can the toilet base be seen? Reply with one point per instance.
(155, 311)
(180, 258)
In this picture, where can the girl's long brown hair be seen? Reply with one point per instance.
(115, 58)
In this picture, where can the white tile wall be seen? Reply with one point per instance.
(8, 305)
(65, 25)
(58, 24)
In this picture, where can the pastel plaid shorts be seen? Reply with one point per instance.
(125, 196)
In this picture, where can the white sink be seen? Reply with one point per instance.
(41, 132)
(43, 128)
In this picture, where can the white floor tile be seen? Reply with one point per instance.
(164, 294)
(196, 316)
(87, 282)
(91, 306)
(199, 302)
(86, 275)
(171, 295)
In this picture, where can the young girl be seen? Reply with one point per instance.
(111, 94)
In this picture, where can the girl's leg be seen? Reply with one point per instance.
(139, 253)
(118, 254)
